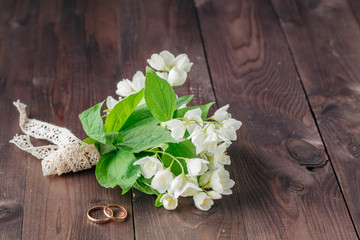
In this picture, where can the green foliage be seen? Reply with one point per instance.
(93, 124)
(157, 201)
(184, 149)
(204, 108)
(144, 185)
(116, 168)
(145, 137)
(121, 112)
(159, 96)
(139, 117)
(183, 100)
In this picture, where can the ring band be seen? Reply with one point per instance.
(109, 214)
(122, 214)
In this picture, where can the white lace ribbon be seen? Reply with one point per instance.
(68, 154)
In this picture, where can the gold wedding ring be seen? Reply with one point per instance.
(109, 212)
(108, 215)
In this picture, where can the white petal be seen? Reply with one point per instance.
(222, 114)
(163, 75)
(157, 62)
(203, 201)
(177, 128)
(178, 132)
(162, 180)
(196, 166)
(169, 202)
(177, 77)
(214, 195)
(149, 166)
(124, 88)
(233, 123)
(111, 102)
(194, 114)
(183, 62)
(138, 81)
(169, 59)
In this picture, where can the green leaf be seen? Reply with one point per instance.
(103, 148)
(89, 140)
(116, 168)
(111, 137)
(144, 185)
(121, 112)
(145, 137)
(183, 149)
(139, 117)
(93, 124)
(159, 96)
(157, 201)
(183, 100)
(179, 113)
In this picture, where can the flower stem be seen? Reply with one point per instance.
(173, 157)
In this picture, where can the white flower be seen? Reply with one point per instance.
(176, 127)
(191, 116)
(182, 62)
(196, 166)
(203, 201)
(211, 137)
(169, 202)
(157, 62)
(222, 114)
(162, 180)
(221, 182)
(111, 102)
(177, 77)
(214, 194)
(184, 186)
(149, 166)
(227, 131)
(169, 59)
(198, 137)
(204, 180)
(127, 87)
(138, 81)
(124, 88)
(163, 75)
(220, 155)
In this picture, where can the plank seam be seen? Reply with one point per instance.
(313, 115)
(34, 48)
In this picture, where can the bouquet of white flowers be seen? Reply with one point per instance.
(151, 141)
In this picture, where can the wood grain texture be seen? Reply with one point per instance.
(324, 39)
(175, 28)
(17, 43)
(281, 194)
(75, 66)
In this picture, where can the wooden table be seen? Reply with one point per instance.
(290, 71)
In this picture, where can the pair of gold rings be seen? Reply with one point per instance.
(109, 213)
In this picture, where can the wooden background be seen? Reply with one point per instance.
(290, 71)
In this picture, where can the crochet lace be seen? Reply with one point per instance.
(68, 154)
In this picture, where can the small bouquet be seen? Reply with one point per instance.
(151, 141)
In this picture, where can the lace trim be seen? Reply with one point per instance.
(68, 154)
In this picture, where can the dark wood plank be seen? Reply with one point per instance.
(174, 28)
(324, 39)
(17, 41)
(76, 65)
(285, 186)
